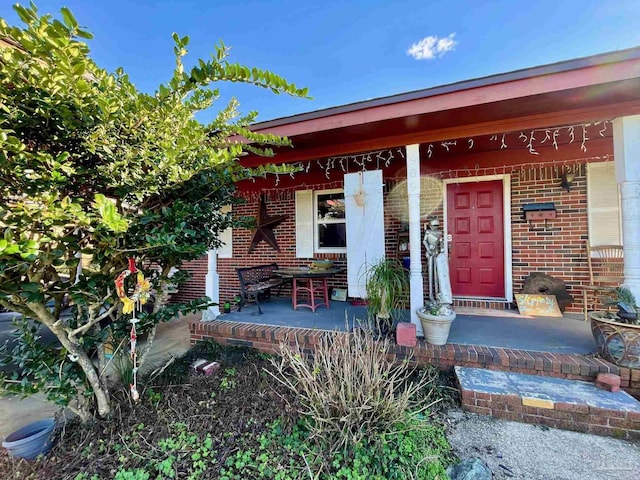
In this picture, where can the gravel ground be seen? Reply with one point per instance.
(521, 451)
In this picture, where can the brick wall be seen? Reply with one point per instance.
(557, 249)
(195, 286)
(573, 367)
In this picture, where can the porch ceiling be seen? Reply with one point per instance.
(571, 92)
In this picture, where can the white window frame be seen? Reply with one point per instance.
(317, 223)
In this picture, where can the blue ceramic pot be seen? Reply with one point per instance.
(31, 440)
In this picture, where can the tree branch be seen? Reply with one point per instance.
(73, 334)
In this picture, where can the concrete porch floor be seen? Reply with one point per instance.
(507, 329)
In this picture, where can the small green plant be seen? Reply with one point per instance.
(137, 474)
(227, 383)
(154, 397)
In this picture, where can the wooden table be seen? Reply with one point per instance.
(310, 283)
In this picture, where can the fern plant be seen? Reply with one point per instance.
(387, 287)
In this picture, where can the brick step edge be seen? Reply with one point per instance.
(267, 339)
(565, 416)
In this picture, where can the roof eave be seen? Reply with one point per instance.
(604, 59)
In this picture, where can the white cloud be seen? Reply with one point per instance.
(432, 47)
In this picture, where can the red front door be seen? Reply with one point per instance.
(475, 223)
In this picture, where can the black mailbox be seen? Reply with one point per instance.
(539, 211)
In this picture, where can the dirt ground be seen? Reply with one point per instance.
(519, 451)
(233, 407)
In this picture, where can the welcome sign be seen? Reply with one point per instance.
(538, 305)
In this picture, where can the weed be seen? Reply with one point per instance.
(227, 384)
(154, 397)
(351, 391)
(137, 474)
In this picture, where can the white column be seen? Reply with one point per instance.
(212, 286)
(626, 149)
(415, 234)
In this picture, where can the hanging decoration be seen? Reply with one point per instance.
(265, 226)
(132, 305)
(573, 165)
(334, 168)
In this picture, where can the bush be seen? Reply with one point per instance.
(350, 391)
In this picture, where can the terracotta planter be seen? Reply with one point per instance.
(31, 440)
(435, 327)
(619, 343)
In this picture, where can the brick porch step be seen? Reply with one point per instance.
(554, 402)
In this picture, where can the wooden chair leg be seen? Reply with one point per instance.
(313, 294)
(584, 303)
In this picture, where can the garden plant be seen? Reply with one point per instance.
(93, 172)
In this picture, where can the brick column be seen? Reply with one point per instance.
(415, 233)
(626, 147)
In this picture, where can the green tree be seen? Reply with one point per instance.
(91, 167)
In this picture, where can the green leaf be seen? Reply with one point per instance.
(110, 216)
(68, 18)
(84, 34)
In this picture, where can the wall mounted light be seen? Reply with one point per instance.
(567, 180)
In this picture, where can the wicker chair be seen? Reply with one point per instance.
(606, 272)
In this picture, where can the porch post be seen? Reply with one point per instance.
(416, 298)
(626, 149)
(212, 286)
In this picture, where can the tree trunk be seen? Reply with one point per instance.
(100, 391)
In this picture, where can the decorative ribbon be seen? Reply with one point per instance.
(140, 293)
(129, 304)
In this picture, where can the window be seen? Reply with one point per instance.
(603, 204)
(330, 230)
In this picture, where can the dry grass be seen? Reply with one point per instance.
(350, 390)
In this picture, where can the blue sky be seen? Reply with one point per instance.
(347, 51)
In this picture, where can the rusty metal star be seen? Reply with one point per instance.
(265, 227)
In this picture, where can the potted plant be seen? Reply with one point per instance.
(436, 319)
(617, 334)
(387, 287)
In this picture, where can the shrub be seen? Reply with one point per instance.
(351, 391)
(92, 168)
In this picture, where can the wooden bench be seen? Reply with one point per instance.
(257, 282)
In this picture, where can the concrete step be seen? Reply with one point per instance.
(554, 402)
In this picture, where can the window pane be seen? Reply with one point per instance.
(330, 206)
(332, 235)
